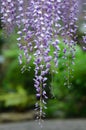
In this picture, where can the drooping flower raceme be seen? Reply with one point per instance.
(84, 37)
(8, 9)
(69, 17)
(40, 23)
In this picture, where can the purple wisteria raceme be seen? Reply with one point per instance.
(40, 23)
(8, 9)
(69, 17)
(44, 30)
(84, 37)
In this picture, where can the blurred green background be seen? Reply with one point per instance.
(17, 93)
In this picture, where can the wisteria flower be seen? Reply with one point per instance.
(40, 23)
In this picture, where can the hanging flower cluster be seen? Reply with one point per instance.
(8, 9)
(84, 37)
(40, 23)
(69, 17)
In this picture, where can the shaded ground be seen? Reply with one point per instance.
(14, 117)
(47, 125)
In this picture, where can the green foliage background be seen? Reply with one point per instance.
(17, 91)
